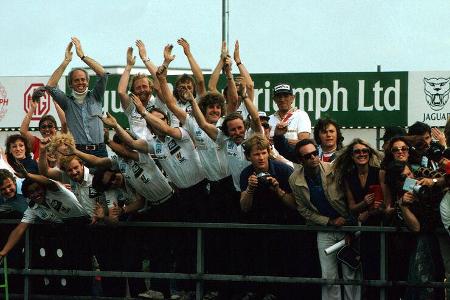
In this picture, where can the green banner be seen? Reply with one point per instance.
(372, 99)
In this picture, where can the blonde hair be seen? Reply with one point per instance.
(60, 139)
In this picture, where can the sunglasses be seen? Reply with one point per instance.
(48, 126)
(361, 151)
(400, 149)
(265, 125)
(310, 155)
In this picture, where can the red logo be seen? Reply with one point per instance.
(43, 106)
(3, 102)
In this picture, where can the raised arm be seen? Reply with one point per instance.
(62, 117)
(232, 93)
(196, 70)
(104, 162)
(247, 96)
(151, 67)
(24, 127)
(56, 76)
(154, 122)
(242, 69)
(214, 79)
(210, 129)
(40, 179)
(95, 66)
(123, 151)
(167, 96)
(110, 121)
(124, 78)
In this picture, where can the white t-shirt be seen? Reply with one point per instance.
(58, 206)
(144, 177)
(298, 122)
(187, 107)
(212, 158)
(138, 125)
(235, 155)
(179, 159)
(88, 196)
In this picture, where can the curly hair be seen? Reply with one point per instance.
(344, 164)
(322, 125)
(212, 98)
(184, 78)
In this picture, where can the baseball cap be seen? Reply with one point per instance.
(392, 131)
(282, 88)
(263, 115)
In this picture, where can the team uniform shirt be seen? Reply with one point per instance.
(187, 107)
(212, 158)
(17, 203)
(242, 110)
(235, 156)
(297, 120)
(179, 159)
(445, 211)
(143, 177)
(138, 125)
(58, 206)
(88, 196)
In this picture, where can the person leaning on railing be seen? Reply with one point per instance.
(418, 208)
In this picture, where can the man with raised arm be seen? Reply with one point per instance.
(141, 86)
(187, 83)
(83, 105)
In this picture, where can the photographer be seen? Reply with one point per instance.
(417, 205)
(266, 198)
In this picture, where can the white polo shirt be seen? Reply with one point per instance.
(212, 158)
(298, 122)
(235, 156)
(138, 125)
(179, 159)
(58, 206)
(88, 196)
(144, 177)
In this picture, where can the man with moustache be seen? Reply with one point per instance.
(83, 105)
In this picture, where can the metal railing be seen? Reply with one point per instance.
(200, 276)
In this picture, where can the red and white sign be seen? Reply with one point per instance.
(43, 106)
(3, 101)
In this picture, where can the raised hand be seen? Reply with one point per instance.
(78, 48)
(43, 143)
(224, 51)
(20, 170)
(236, 54)
(99, 213)
(168, 56)
(187, 95)
(131, 60)
(68, 55)
(142, 51)
(109, 120)
(67, 149)
(37, 94)
(186, 47)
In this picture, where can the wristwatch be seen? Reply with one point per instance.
(434, 181)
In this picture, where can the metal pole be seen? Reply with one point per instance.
(200, 266)
(225, 21)
(378, 134)
(26, 283)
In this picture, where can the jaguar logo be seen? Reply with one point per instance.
(436, 92)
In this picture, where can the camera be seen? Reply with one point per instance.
(262, 178)
(436, 152)
(421, 191)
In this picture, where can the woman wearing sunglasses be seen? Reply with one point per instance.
(357, 169)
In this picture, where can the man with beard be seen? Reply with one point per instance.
(83, 105)
(142, 87)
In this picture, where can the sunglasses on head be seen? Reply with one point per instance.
(361, 151)
(310, 155)
(400, 149)
(47, 126)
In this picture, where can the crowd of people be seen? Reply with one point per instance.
(195, 154)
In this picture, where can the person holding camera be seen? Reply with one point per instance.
(417, 206)
(321, 201)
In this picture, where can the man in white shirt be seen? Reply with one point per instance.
(297, 122)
